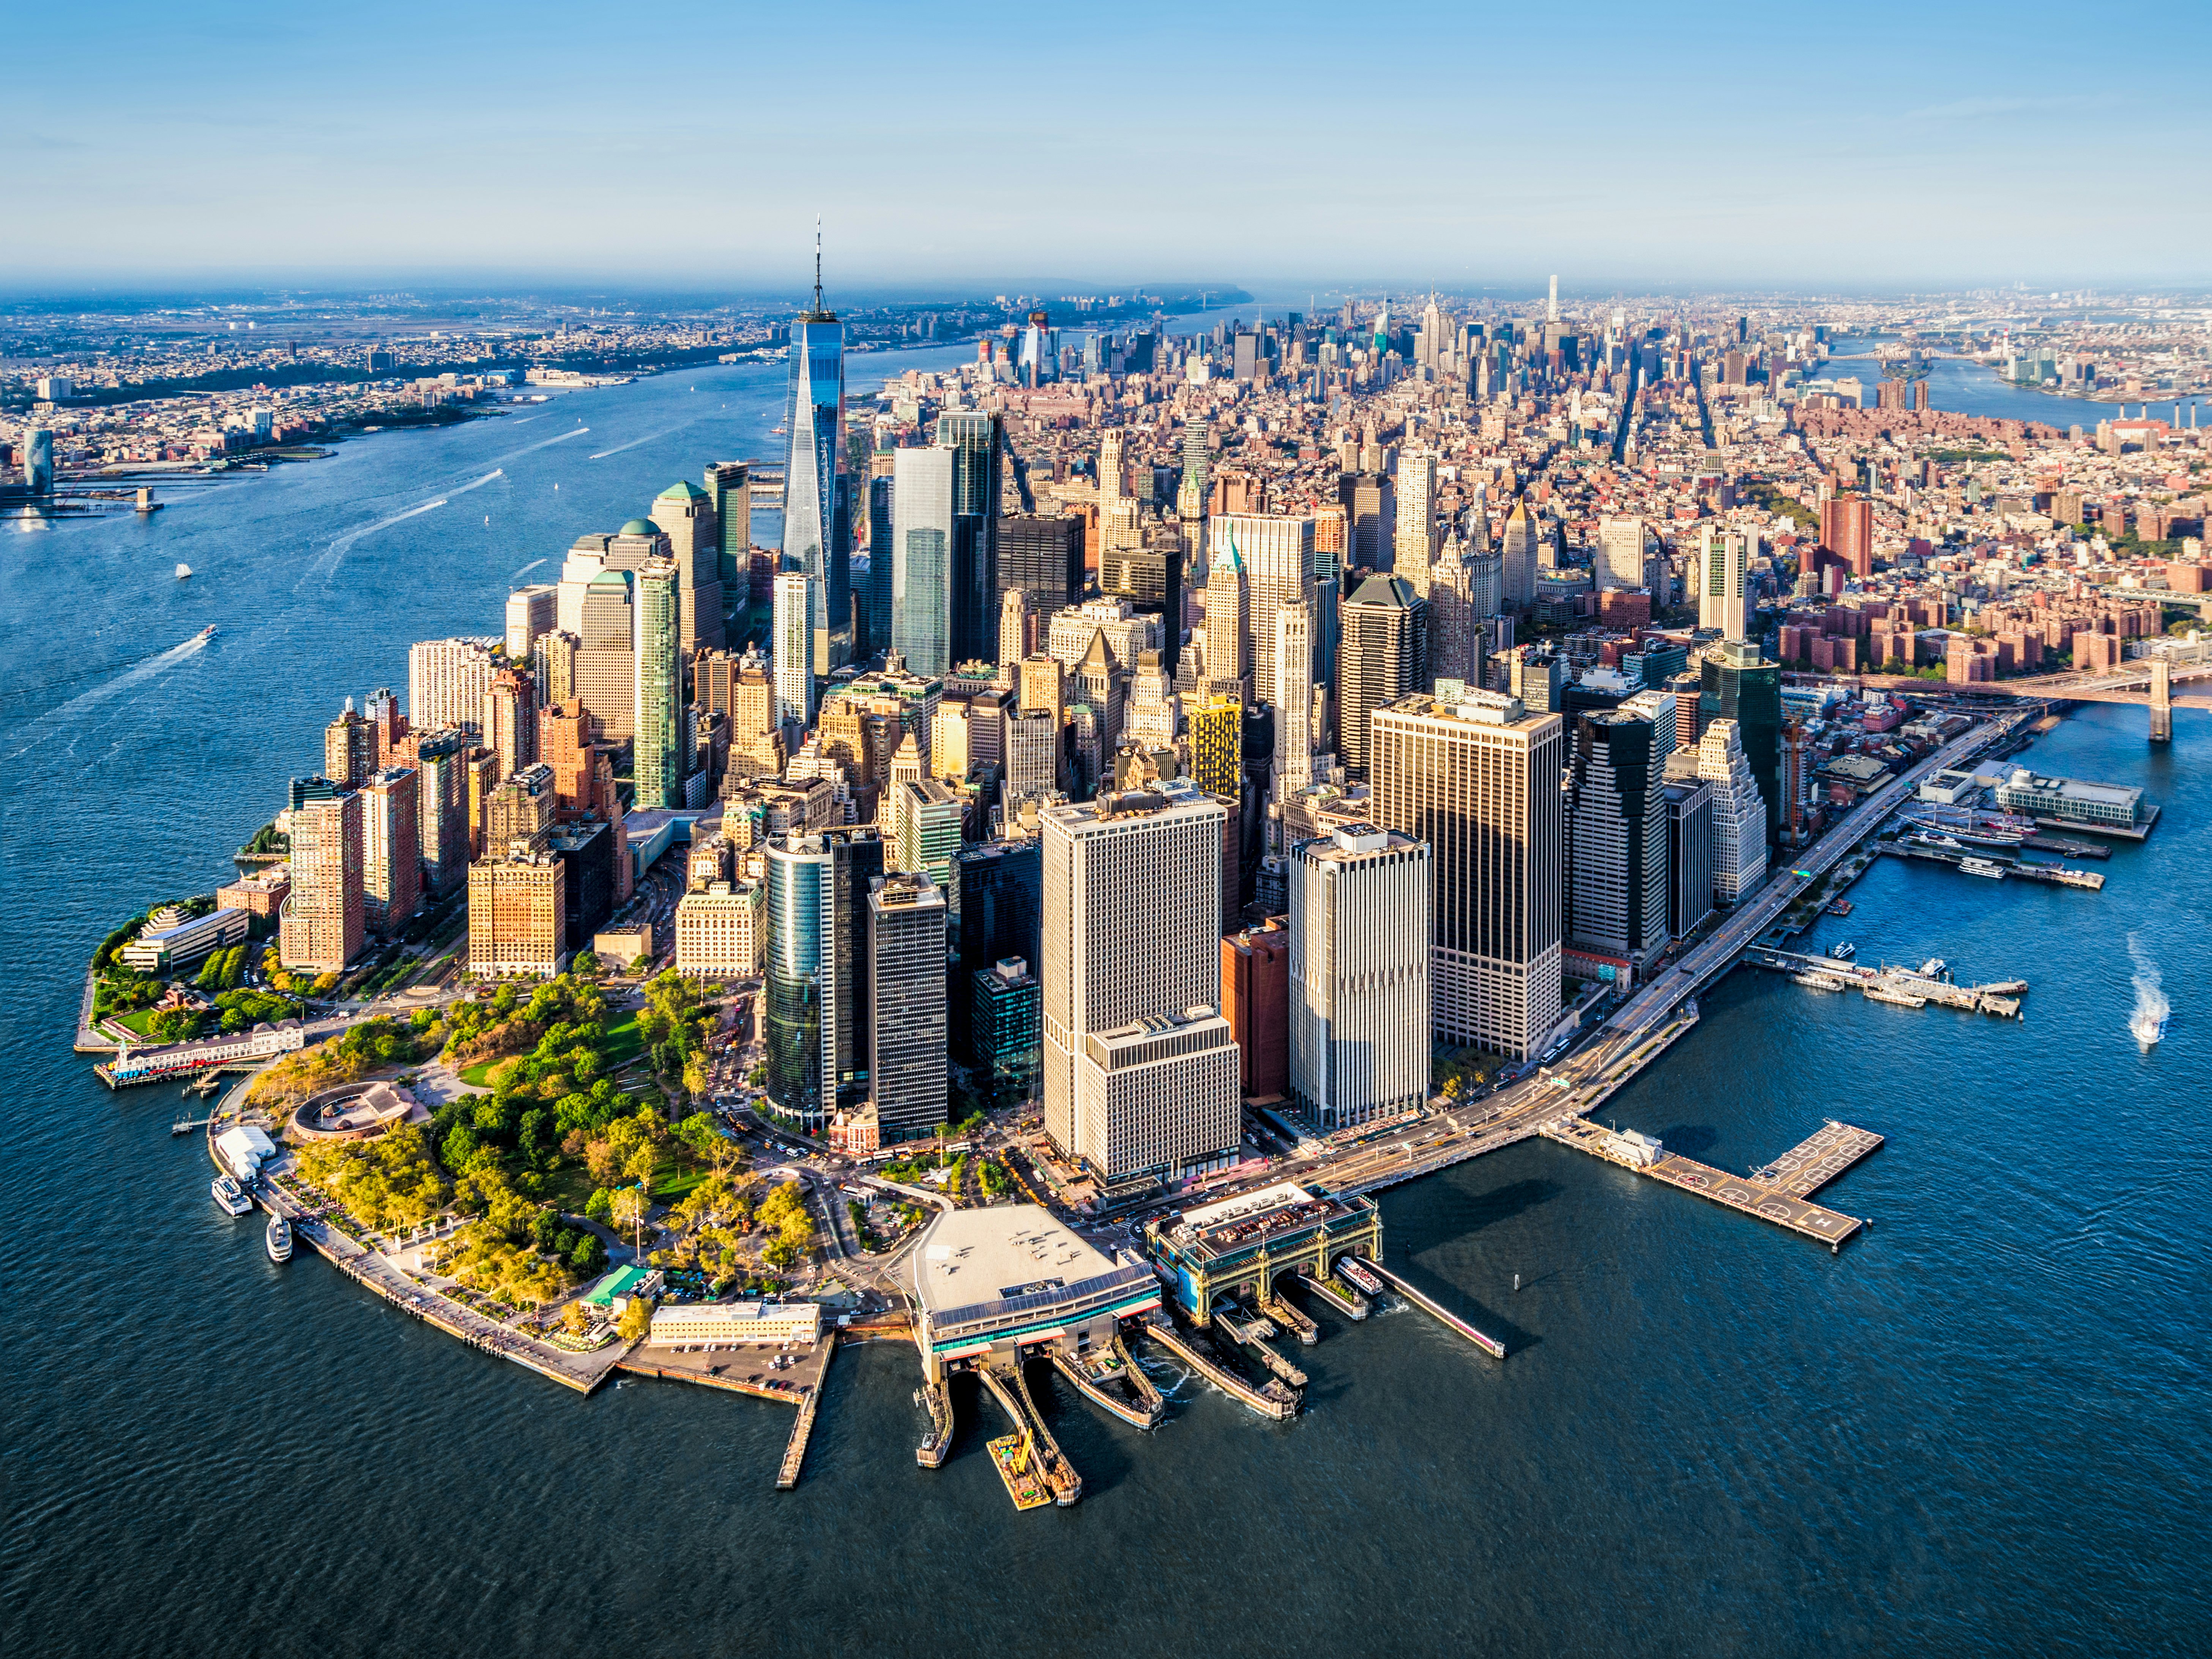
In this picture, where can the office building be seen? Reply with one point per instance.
(721, 931)
(606, 655)
(1689, 854)
(1256, 1000)
(1478, 779)
(972, 439)
(442, 797)
(1739, 685)
(871, 599)
(531, 612)
(792, 673)
(661, 751)
(1456, 629)
(1723, 568)
(730, 497)
(996, 890)
(1618, 555)
(38, 453)
(446, 681)
(1384, 656)
(1140, 1074)
(391, 860)
(817, 1030)
(930, 819)
(588, 851)
(1016, 637)
(921, 567)
(1415, 544)
(1517, 556)
(322, 921)
(906, 1027)
(1294, 732)
(1216, 738)
(1740, 831)
(1365, 499)
(816, 509)
(1044, 558)
(519, 811)
(1358, 975)
(685, 514)
(1616, 835)
(1003, 1004)
(517, 915)
(1032, 752)
(1228, 630)
(1277, 555)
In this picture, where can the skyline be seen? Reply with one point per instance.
(1651, 150)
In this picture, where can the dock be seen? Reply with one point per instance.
(1274, 1400)
(2057, 875)
(1253, 1334)
(1428, 1304)
(1272, 1304)
(795, 1453)
(747, 1368)
(1012, 1391)
(1903, 987)
(1092, 1374)
(1342, 1297)
(1780, 1193)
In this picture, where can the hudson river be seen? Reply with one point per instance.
(1981, 1429)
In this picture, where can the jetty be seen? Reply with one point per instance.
(1007, 1386)
(1274, 1400)
(1903, 987)
(1428, 1304)
(1095, 1377)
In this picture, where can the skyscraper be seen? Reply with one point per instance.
(1739, 685)
(793, 647)
(1620, 561)
(1415, 545)
(1293, 676)
(441, 797)
(907, 1075)
(1360, 1043)
(1277, 554)
(1455, 631)
(1739, 857)
(1140, 1069)
(1616, 835)
(872, 621)
(510, 719)
(392, 862)
(998, 886)
(973, 440)
(729, 494)
(1847, 530)
(922, 535)
(349, 748)
(446, 681)
(606, 654)
(531, 611)
(1013, 633)
(1478, 781)
(815, 507)
(321, 922)
(1517, 557)
(816, 1031)
(661, 757)
(1043, 558)
(1723, 567)
(1385, 656)
(685, 514)
(1228, 629)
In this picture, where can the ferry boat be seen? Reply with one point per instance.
(1816, 980)
(278, 1238)
(1845, 951)
(1357, 1276)
(1895, 998)
(1989, 867)
(1933, 968)
(229, 1197)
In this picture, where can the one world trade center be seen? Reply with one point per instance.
(818, 526)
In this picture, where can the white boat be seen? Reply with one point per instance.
(229, 1197)
(278, 1238)
(1933, 967)
(1989, 867)
(1357, 1276)
(1845, 951)
(183, 571)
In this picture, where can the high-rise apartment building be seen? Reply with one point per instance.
(817, 979)
(531, 611)
(1140, 1071)
(446, 681)
(661, 755)
(349, 757)
(685, 514)
(1293, 676)
(1847, 530)
(1384, 656)
(1414, 544)
(1740, 831)
(509, 724)
(1358, 980)
(1478, 781)
(520, 810)
(1276, 555)
(391, 860)
(792, 648)
(1616, 835)
(907, 1073)
(1723, 568)
(816, 534)
(320, 926)
(442, 797)
(921, 568)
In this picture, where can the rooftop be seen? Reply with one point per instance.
(970, 1256)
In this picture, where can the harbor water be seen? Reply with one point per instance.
(1977, 1430)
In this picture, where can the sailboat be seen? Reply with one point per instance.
(183, 571)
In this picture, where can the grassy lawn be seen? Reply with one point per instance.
(625, 1042)
(670, 1184)
(141, 1022)
(570, 1188)
(480, 1074)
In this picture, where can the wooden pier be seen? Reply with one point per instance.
(1489, 1345)
(1905, 988)
(795, 1453)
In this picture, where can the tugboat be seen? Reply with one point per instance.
(278, 1238)
(229, 1197)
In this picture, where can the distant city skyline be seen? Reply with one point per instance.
(1647, 147)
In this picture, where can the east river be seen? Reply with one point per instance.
(1980, 1428)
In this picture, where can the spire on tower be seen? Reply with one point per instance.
(818, 262)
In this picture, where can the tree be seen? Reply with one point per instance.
(639, 1166)
(599, 1206)
(636, 1319)
(627, 1208)
(575, 1319)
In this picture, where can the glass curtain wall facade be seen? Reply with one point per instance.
(661, 756)
(972, 438)
(817, 972)
(814, 506)
(923, 538)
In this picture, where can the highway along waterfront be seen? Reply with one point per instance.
(1971, 1430)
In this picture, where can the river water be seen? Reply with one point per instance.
(1981, 1429)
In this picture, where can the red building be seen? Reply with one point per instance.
(1256, 1000)
(1847, 530)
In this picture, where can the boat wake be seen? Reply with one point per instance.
(38, 730)
(2147, 1020)
(544, 443)
(327, 563)
(527, 568)
(635, 442)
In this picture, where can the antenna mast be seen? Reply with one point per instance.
(817, 263)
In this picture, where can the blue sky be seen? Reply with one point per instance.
(691, 144)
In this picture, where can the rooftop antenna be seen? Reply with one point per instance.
(817, 263)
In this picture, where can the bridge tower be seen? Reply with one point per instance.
(2161, 700)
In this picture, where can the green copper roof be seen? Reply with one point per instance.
(640, 527)
(682, 491)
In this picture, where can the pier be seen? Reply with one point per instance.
(1007, 1386)
(1903, 987)
(1780, 1193)
(1428, 1304)
(2057, 875)
(795, 1453)
(1253, 1334)
(1274, 1400)
(1342, 1297)
(1094, 1375)
(747, 1368)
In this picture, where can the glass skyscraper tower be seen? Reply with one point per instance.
(661, 750)
(816, 515)
(973, 438)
